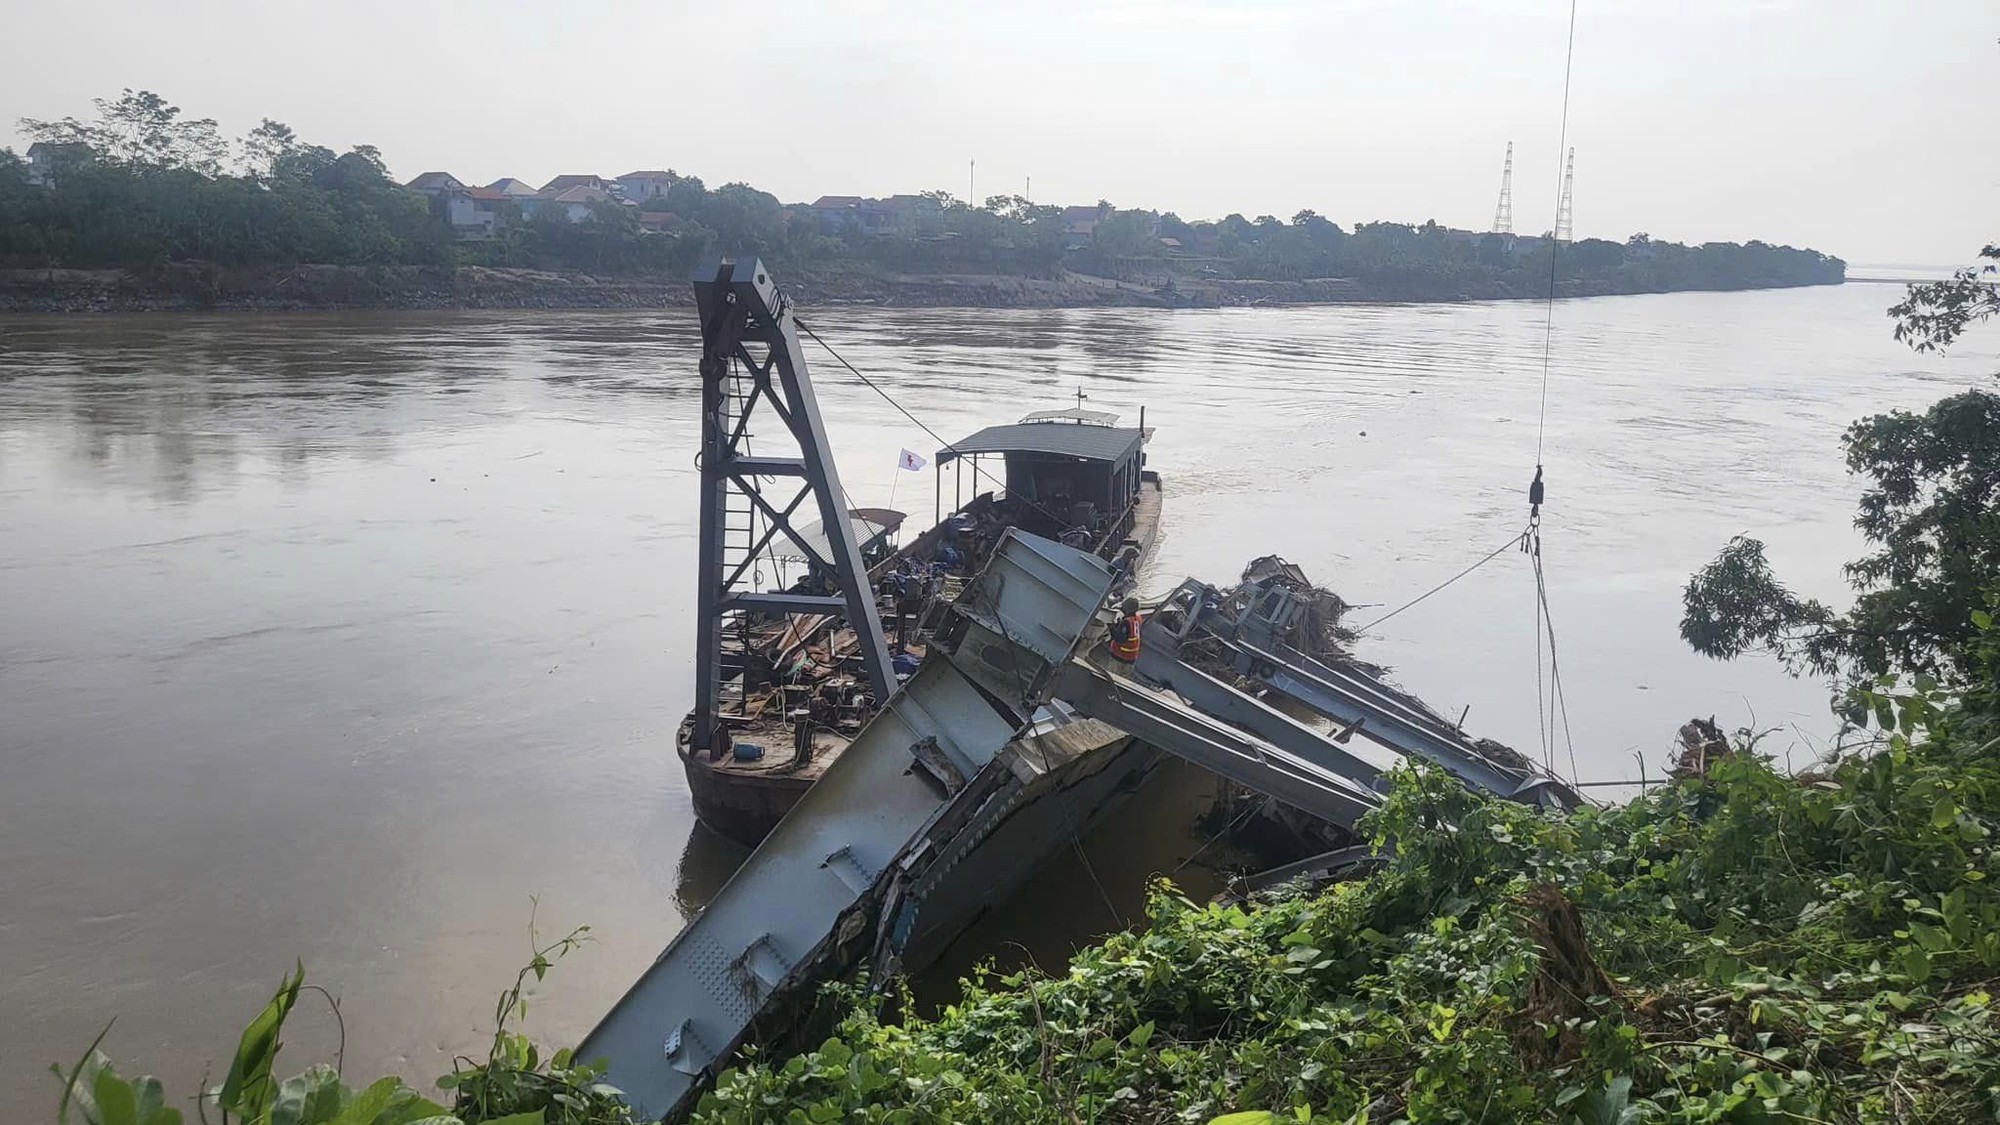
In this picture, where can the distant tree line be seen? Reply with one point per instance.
(1432, 260)
(142, 185)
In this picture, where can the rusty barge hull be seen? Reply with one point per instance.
(744, 802)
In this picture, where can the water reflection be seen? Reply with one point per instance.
(178, 404)
(707, 862)
(1100, 883)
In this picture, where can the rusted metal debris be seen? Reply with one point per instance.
(1702, 744)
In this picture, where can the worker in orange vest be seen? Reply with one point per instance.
(1123, 640)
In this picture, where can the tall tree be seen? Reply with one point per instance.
(141, 129)
(266, 148)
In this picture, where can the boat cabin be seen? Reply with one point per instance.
(1069, 474)
(874, 531)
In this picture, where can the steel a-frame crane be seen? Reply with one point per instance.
(752, 368)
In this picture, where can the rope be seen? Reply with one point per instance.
(1541, 713)
(1559, 700)
(1512, 541)
(1531, 540)
(871, 385)
(1549, 320)
(1117, 919)
(1248, 810)
(918, 422)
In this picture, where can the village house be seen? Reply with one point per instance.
(436, 184)
(513, 188)
(453, 201)
(489, 212)
(573, 204)
(39, 159)
(640, 187)
(563, 183)
(1080, 223)
(45, 157)
(907, 212)
(475, 213)
(852, 212)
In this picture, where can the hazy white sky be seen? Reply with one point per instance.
(1859, 127)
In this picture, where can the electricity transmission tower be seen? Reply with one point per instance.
(1503, 215)
(1563, 223)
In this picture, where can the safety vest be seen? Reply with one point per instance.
(1124, 642)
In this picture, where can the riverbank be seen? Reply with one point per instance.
(195, 287)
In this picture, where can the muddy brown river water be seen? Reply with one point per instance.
(344, 637)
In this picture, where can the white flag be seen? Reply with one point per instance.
(909, 462)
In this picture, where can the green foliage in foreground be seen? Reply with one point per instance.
(1746, 947)
(513, 1086)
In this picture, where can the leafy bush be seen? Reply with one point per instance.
(1740, 947)
(512, 1087)
(514, 1084)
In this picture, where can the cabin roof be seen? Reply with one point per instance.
(1074, 414)
(865, 524)
(1066, 439)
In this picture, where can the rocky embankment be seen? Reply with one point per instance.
(194, 287)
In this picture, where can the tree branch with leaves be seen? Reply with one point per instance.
(1931, 512)
(1933, 315)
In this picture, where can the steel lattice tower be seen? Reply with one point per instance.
(1563, 223)
(1503, 215)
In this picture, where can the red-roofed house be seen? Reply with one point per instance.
(516, 189)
